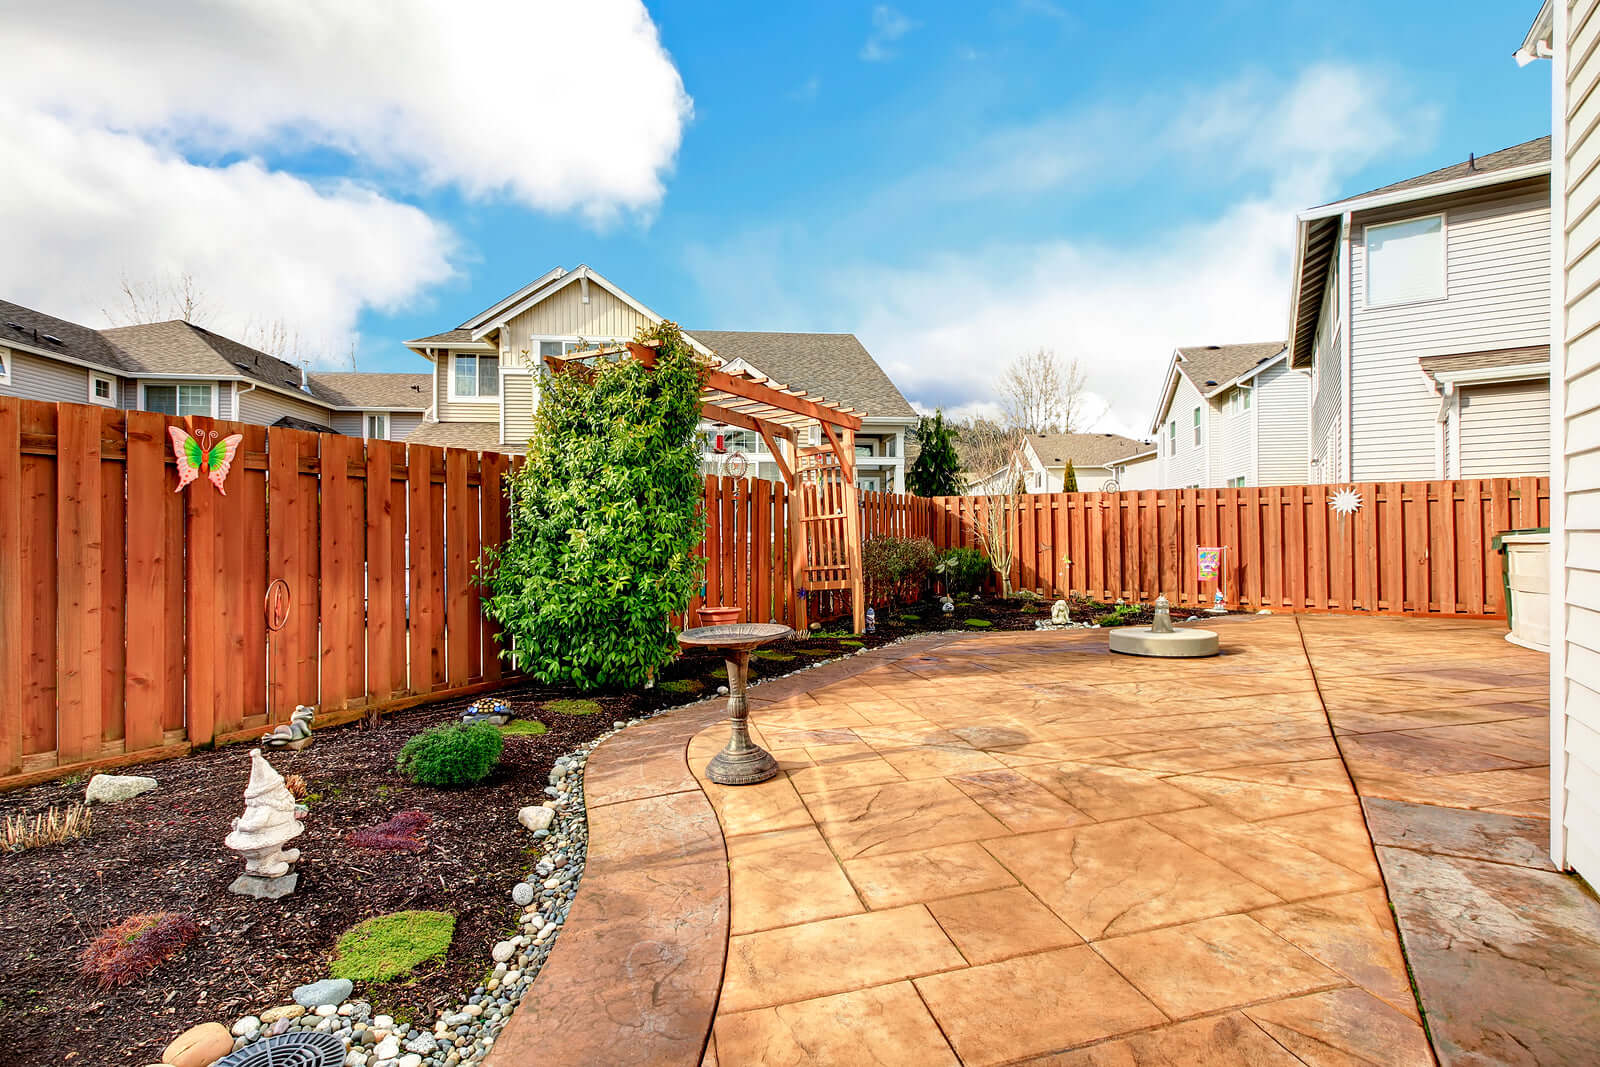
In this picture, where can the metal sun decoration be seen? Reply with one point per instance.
(735, 465)
(1345, 502)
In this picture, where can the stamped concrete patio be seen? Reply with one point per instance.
(1018, 848)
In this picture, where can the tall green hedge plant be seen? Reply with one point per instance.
(605, 520)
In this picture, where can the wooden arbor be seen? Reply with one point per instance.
(825, 530)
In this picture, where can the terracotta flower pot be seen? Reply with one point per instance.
(719, 616)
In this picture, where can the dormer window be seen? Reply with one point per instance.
(474, 377)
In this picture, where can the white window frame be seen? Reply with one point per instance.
(366, 425)
(6, 356)
(110, 399)
(1444, 260)
(1198, 420)
(1172, 437)
(144, 394)
(477, 377)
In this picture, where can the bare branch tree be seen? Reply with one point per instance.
(159, 300)
(1042, 394)
(991, 452)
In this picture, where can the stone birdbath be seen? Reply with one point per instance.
(742, 762)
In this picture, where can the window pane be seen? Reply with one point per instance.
(1405, 262)
(3, 355)
(466, 375)
(489, 376)
(1244, 401)
(194, 400)
(161, 398)
(375, 426)
(102, 388)
(551, 348)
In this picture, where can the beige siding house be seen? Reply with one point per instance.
(1095, 458)
(1421, 311)
(1570, 29)
(1231, 416)
(485, 376)
(183, 369)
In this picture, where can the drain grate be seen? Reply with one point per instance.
(289, 1050)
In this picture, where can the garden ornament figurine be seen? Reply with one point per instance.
(268, 823)
(490, 710)
(1060, 614)
(294, 734)
(872, 621)
(1162, 622)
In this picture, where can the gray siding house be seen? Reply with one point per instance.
(182, 369)
(485, 380)
(1231, 416)
(1421, 310)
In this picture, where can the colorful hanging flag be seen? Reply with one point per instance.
(1210, 564)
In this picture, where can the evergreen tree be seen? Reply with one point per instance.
(937, 471)
(1069, 484)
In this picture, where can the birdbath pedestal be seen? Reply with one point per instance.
(742, 762)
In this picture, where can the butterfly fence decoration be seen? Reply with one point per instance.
(208, 454)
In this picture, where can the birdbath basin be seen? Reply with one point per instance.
(742, 762)
(1160, 639)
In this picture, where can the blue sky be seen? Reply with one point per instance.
(955, 183)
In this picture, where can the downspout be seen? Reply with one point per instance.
(237, 393)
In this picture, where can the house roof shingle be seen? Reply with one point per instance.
(179, 347)
(833, 365)
(1534, 151)
(1497, 357)
(20, 325)
(1083, 449)
(1210, 367)
(410, 392)
(460, 335)
(474, 436)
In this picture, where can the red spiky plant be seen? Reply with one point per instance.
(136, 946)
(403, 833)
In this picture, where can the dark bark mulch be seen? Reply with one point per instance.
(163, 852)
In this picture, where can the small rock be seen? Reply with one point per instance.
(198, 1046)
(383, 1022)
(282, 1011)
(410, 1060)
(111, 788)
(327, 991)
(722, 690)
(248, 1025)
(536, 817)
(388, 1048)
(503, 951)
(325, 1011)
(522, 893)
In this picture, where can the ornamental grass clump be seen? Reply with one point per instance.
(451, 756)
(606, 517)
(136, 946)
(402, 833)
(52, 827)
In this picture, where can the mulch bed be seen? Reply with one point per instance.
(163, 851)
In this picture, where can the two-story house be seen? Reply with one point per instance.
(1422, 310)
(181, 369)
(486, 371)
(1231, 416)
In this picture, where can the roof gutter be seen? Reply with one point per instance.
(1512, 373)
(1426, 192)
(1539, 42)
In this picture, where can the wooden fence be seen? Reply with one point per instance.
(133, 619)
(1414, 548)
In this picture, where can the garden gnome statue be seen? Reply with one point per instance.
(1162, 623)
(1060, 614)
(294, 734)
(259, 835)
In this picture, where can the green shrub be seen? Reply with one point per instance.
(896, 568)
(522, 728)
(606, 518)
(384, 948)
(937, 469)
(960, 569)
(979, 624)
(573, 707)
(451, 756)
(1118, 615)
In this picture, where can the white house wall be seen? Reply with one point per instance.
(35, 378)
(564, 314)
(1505, 429)
(519, 406)
(1234, 442)
(401, 423)
(1497, 278)
(461, 410)
(1575, 660)
(1325, 443)
(1186, 465)
(1281, 445)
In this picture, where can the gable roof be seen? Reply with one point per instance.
(1518, 156)
(1493, 359)
(1317, 230)
(834, 365)
(179, 347)
(1213, 368)
(474, 436)
(1083, 449)
(66, 340)
(408, 392)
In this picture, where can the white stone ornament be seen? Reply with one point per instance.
(1345, 502)
(268, 823)
(1060, 614)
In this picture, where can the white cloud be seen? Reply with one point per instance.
(164, 137)
(561, 106)
(888, 26)
(943, 327)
